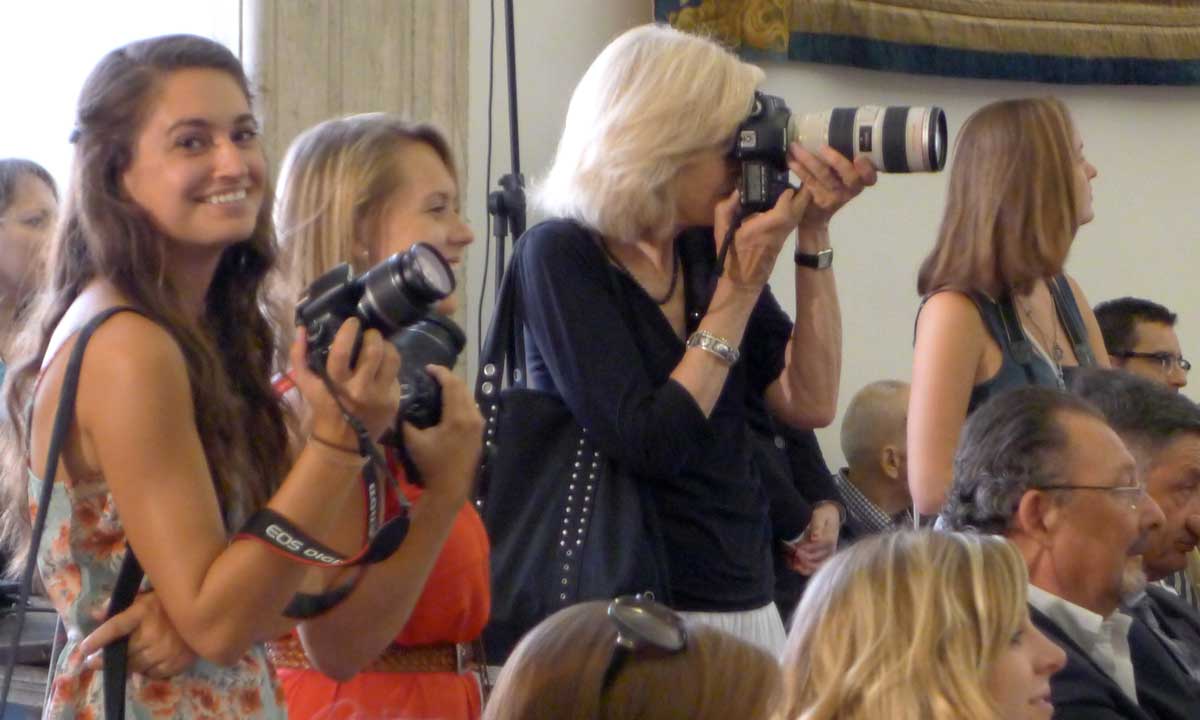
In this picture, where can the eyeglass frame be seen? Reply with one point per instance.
(630, 640)
(1139, 491)
(1164, 358)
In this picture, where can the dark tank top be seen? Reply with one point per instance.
(1021, 364)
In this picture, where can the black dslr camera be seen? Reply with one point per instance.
(897, 139)
(761, 148)
(395, 297)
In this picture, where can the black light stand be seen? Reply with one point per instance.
(507, 205)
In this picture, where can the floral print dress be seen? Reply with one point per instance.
(79, 557)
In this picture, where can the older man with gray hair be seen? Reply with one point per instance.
(1045, 470)
(1161, 428)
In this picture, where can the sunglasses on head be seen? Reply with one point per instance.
(644, 627)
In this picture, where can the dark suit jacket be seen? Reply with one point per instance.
(795, 477)
(1083, 691)
(1178, 619)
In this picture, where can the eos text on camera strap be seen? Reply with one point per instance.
(282, 536)
(381, 540)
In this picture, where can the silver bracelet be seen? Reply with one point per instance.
(718, 346)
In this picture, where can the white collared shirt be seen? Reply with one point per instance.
(1104, 639)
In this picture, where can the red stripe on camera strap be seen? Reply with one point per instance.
(283, 537)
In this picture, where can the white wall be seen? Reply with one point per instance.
(1142, 140)
(47, 49)
(556, 41)
(1143, 241)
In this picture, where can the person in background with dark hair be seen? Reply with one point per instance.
(1019, 190)
(1140, 337)
(797, 481)
(1162, 431)
(177, 436)
(1044, 469)
(28, 209)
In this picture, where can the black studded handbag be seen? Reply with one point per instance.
(565, 524)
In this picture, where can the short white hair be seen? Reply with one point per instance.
(649, 101)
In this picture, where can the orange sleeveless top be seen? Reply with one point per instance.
(453, 608)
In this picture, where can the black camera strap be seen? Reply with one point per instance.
(734, 223)
(382, 538)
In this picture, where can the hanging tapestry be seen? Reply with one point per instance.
(1140, 42)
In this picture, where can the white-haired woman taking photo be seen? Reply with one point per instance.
(653, 348)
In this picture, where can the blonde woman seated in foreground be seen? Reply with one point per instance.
(633, 658)
(919, 625)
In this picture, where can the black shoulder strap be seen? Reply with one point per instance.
(116, 653)
(1014, 337)
(1000, 319)
(1071, 319)
(129, 567)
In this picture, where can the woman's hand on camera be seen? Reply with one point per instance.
(155, 648)
(447, 454)
(370, 390)
(757, 243)
(831, 178)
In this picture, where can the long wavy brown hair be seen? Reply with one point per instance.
(1010, 213)
(104, 234)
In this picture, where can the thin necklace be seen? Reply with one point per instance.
(1058, 352)
(674, 273)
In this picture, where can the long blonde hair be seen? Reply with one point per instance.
(1010, 213)
(337, 178)
(905, 625)
(557, 672)
(648, 102)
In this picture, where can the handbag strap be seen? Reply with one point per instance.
(64, 414)
(116, 653)
(502, 357)
(499, 361)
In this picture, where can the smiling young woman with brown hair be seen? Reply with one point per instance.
(177, 435)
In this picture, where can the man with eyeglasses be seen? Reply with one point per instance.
(1044, 469)
(1162, 431)
(1140, 337)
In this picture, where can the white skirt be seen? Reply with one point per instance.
(762, 627)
